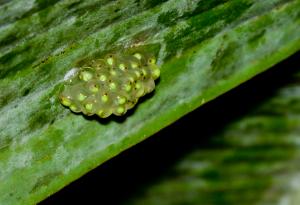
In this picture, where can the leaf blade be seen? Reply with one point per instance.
(52, 146)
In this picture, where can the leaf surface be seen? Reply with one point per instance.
(253, 158)
(204, 48)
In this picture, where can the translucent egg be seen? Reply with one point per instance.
(111, 85)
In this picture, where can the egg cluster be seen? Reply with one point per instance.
(111, 85)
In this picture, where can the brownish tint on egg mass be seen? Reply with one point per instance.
(111, 85)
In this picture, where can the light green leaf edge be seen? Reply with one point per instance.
(44, 146)
(253, 160)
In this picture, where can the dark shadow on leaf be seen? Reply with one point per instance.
(124, 176)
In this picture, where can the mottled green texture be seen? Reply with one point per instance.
(253, 160)
(204, 49)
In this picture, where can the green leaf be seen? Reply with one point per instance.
(254, 159)
(204, 48)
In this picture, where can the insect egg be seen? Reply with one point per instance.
(89, 106)
(127, 87)
(111, 85)
(120, 110)
(94, 88)
(81, 97)
(122, 67)
(74, 108)
(102, 77)
(104, 98)
(110, 60)
(85, 75)
(138, 56)
(121, 100)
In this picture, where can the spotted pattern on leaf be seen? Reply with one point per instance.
(111, 85)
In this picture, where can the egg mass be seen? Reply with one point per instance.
(111, 85)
